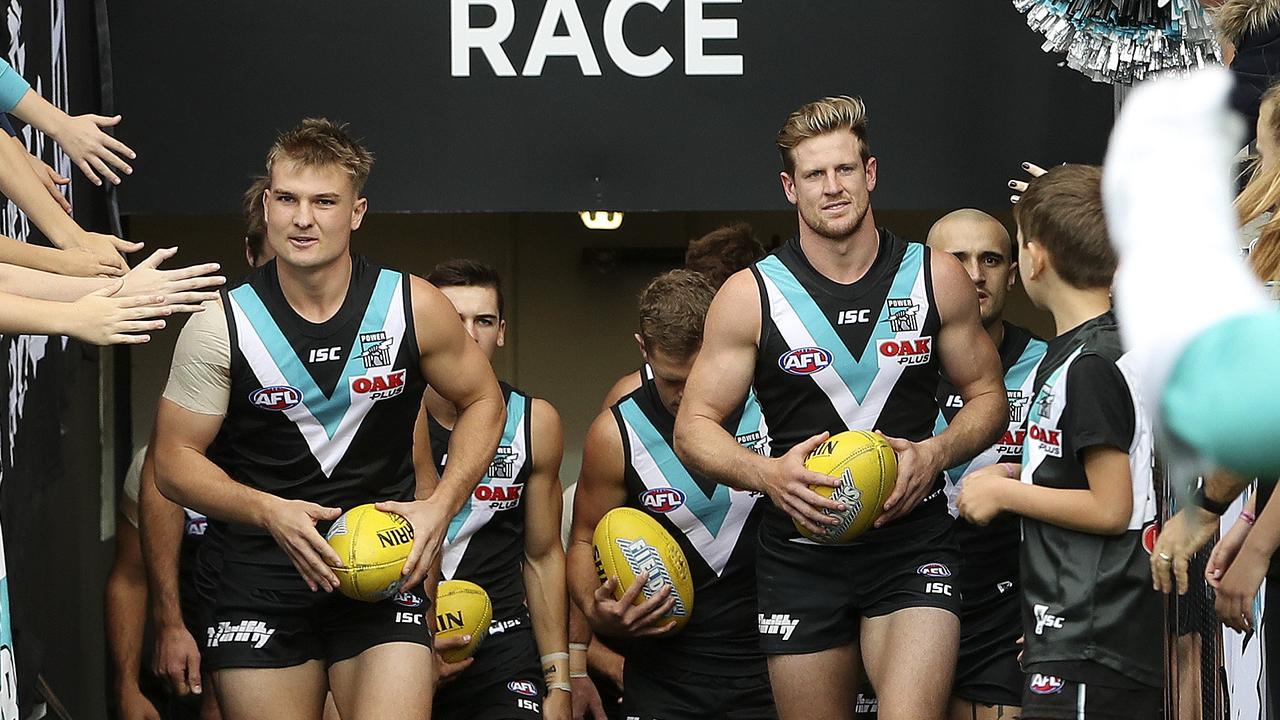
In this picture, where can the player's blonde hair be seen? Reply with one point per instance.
(317, 142)
(820, 117)
(1262, 195)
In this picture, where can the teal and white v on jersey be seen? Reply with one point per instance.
(714, 525)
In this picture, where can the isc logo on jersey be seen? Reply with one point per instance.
(918, 351)
(1048, 440)
(805, 361)
(276, 397)
(379, 387)
(662, 500)
(498, 497)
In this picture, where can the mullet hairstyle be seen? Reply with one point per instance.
(828, 115)
(1062, 210)
(465, 272)
(1262, 195)
(317, 142)
(723, 252)
(673, 309)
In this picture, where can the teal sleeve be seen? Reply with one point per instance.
(1223, 396)
(12, 87)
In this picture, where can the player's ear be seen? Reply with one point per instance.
(1013, 274)
(644, 352)
(357, 212)
(788, 186)
(871, 173)
(502, 333)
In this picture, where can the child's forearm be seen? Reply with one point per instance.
(1081, 510)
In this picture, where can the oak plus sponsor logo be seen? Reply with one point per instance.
(498, 497)
(276, 397)
(1046, 620)
(1045, 684)
(662, 500)
(777, 624)
(917, 351)
(1048, 440)
(903, 315)
(805, 361)
(252, 632)
(1011, 442)
(379, 387)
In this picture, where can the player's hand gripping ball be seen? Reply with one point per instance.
(373, 546)
(462, 608)
(867, 468)
(627, 543)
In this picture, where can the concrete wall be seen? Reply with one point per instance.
(569, 324)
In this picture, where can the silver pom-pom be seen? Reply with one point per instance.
(1125, 41)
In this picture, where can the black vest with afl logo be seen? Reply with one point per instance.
(713, 524)
(322, 412)
(835, 357)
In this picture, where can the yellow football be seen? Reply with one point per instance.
(867, 468)
(629, 542)
(373, 546)
(462, 608)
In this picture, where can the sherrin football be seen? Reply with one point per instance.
(373, 546)
(629, 542)
(867, 468)
(462, 608)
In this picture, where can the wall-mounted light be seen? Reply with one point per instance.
(601, 219)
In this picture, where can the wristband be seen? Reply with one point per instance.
(577, 660)
(578, 646)
(1199, 499)
(551, 657)
(1248, 517)
(560, 686)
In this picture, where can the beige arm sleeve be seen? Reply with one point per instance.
(200, 377)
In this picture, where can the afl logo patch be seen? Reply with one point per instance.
(805, 361)
(934, 570)
(523, 687)
(1046, 684)
(276, 397)
(662, 500)
(408, 599)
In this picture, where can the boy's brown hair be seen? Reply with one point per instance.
(1062, 211)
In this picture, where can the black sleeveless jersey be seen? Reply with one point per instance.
(991, 551)
(1088, 608)
(322, 412)
(835, 357)
(714, 525)
(485, 540)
